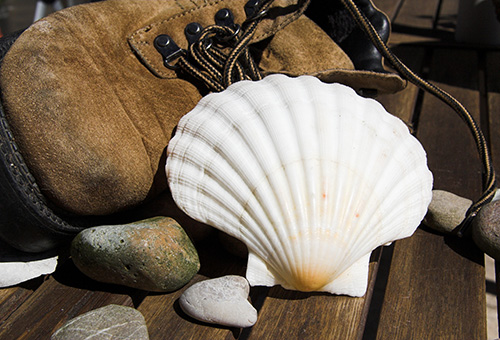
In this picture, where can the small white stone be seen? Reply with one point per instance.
(17, 266)
(222, 301)
(16, 272)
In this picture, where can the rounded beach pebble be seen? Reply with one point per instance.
(222, 301)
(109, 322)
(486, 229)
(446, 211)
(153, 254)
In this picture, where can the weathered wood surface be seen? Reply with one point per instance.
(426, 287)
(492, 77)
(62, 296)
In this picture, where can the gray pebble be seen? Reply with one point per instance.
(153, 254)
(111, 322)
(222, 301)
(446, 211)
(486, 229)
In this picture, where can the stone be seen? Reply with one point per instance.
(153, 254)
(17, 272)
(446, 211)
(222, 301)
(112, 322)
(486, 229)
(17, 266)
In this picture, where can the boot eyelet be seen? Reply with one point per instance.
(193, 32)
(168, 49)
(224, 17)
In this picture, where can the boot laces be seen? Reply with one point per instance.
(220, 56)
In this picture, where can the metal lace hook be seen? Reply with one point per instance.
(169, 50)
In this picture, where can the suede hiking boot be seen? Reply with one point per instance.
(91, 96)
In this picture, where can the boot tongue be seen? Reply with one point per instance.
(176, 17)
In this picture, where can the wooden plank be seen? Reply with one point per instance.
(429, 295)
(446, 22)
(63, 296)
(413, 23)
(492, 75)
(452, 154)
(493, 101)
(402, 104)
(436, 285)
(389, 7)
(297, 315)
(11, 299)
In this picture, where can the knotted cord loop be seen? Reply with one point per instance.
(489, 178)
(220, 55)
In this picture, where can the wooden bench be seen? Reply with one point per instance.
(428, 286)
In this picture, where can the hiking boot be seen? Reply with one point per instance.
(92, 94)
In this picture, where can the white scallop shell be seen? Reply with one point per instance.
(310, 176)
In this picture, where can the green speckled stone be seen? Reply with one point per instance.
(154, 254)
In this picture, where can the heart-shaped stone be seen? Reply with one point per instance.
(222, 301)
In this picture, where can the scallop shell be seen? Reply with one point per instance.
(310, 176)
